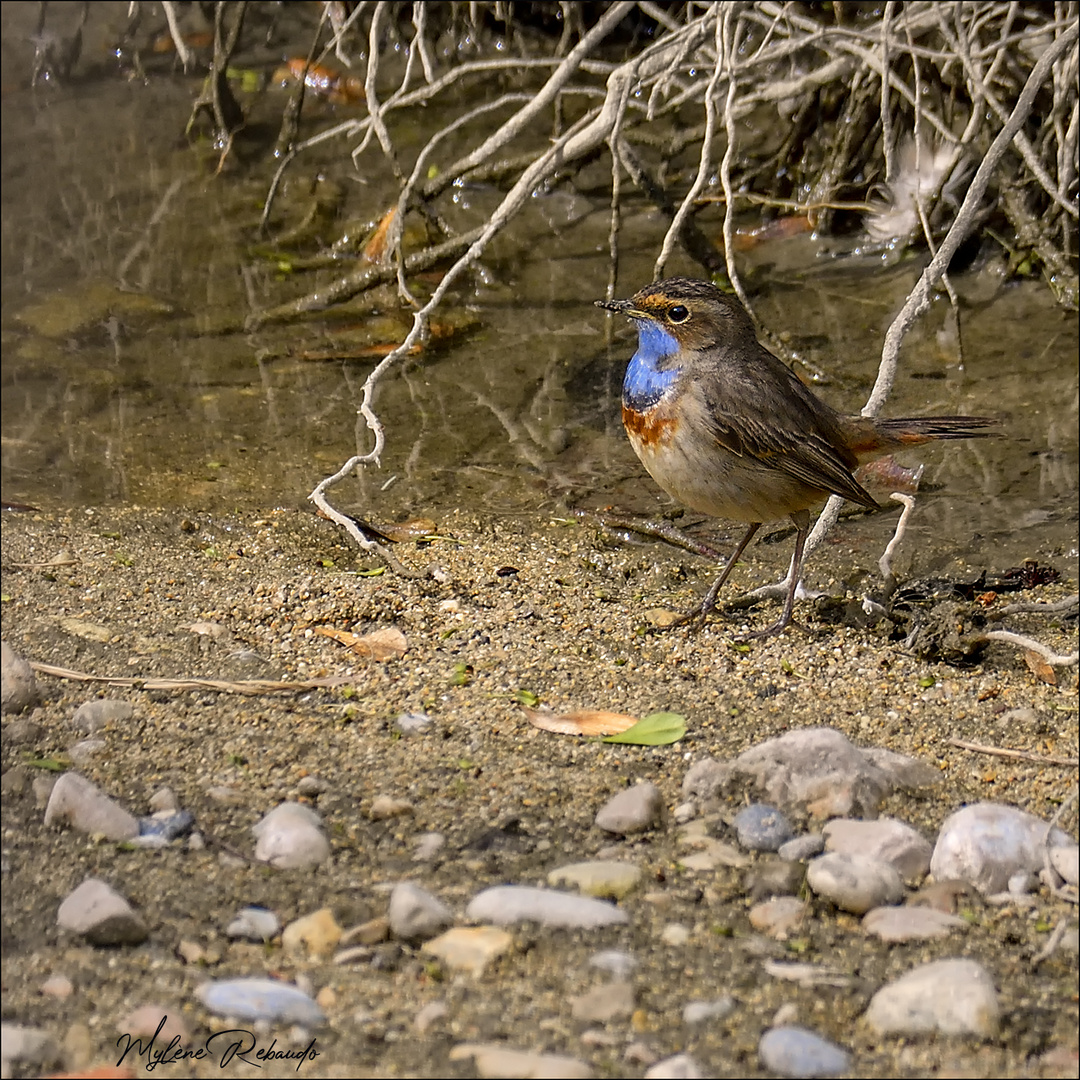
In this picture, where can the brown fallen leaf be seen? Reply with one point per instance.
(582, 722)
(1040, 668)
(375, 249)
(388, 643)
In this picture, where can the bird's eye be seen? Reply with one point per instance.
(678, 314)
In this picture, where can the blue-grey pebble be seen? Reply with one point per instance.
(260, 999)
(795, 1051)
(762, 828)
(167, 827)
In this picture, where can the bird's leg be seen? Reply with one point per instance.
(709, 602)
(801, 519)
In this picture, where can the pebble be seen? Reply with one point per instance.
(85, 752)
(260, 999)
(698, 1012)
(148, 1020)
(18, 686)
(386, 806)
(22, 732)
(413, 723)
(615, 962)
(986, 843)
(77, 802)
(953, 997)
(796, 1051)
(57, 986)
(675, 934)
(428, 846)
(163, 800)
(676, 1067)
(711, 854)
(760, 827)
(101, 915)
(162, 828)
(774, 877)
(601, 878)
(312, 786)
(1065, 859)
(908, 923)
(93, 716)
(818, 769)
(469, 948)
(430, 1014)
(854, 883)
(604, 1003)
(367, 933)
(26, 1046)
(779, 917)
(504, 904)
(802, 847)
(290, 837)
(499, 1060)
(254, 924)
(415, 914)
(318, 934)
(886, 839)
(632, 810)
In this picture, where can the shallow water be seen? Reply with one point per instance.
(129, 269)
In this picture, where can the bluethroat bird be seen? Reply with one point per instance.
(724, 427)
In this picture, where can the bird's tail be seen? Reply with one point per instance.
(913, 430)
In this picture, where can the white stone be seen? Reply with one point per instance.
(953, 997)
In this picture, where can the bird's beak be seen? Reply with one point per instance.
(623, 307)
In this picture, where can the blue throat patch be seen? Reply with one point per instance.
(644, 383)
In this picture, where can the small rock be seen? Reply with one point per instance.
(774, 877)
(164, 801)
(986, 843)
(602, 878)
(318, 934)
(22, 732)
(853, 882)
(675, 934)
(676, 1067)
(367, 933)
(802, 847)
(429, 1015)
(499, 1060)
(885, 839)
(469, 948)
(1065, 859)
(908, 923)
(505, 904)
(953, 997)
(761, 828)
(415, 914)
(290, 837)
(57, 986)
(26, 1046)
(260, 999)
(149, 1020)
(254, 924)
(947, 896)
(79, 803)
(386, 806)
(428, 846)
(779, 917)
(795, 1051)
(632, 810)
(615, 962)
(711, 854)
(93, 716)
(86, 752)
(312, 786)
(18, 687)
(604, 1003)
(413, 723)
(698, 1012)
(164, 827)
(101, 915)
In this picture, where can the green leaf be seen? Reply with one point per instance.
(927, 681)
(528, 698)
(656, 729)
(50, 764)
(374, 572)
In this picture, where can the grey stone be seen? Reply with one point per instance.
(415, 914)
(910, 923)
(18, 687)
(93, 716)
(77, 802)
(260, 999)
(854, 883)
(290, 837)
(802, 847)
(761, 828)
(633, 810)
(886, 839)
(101, 915)
(953, 997)
(506, 904)
(795, 1051)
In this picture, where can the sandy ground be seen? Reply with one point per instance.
(548, 607)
